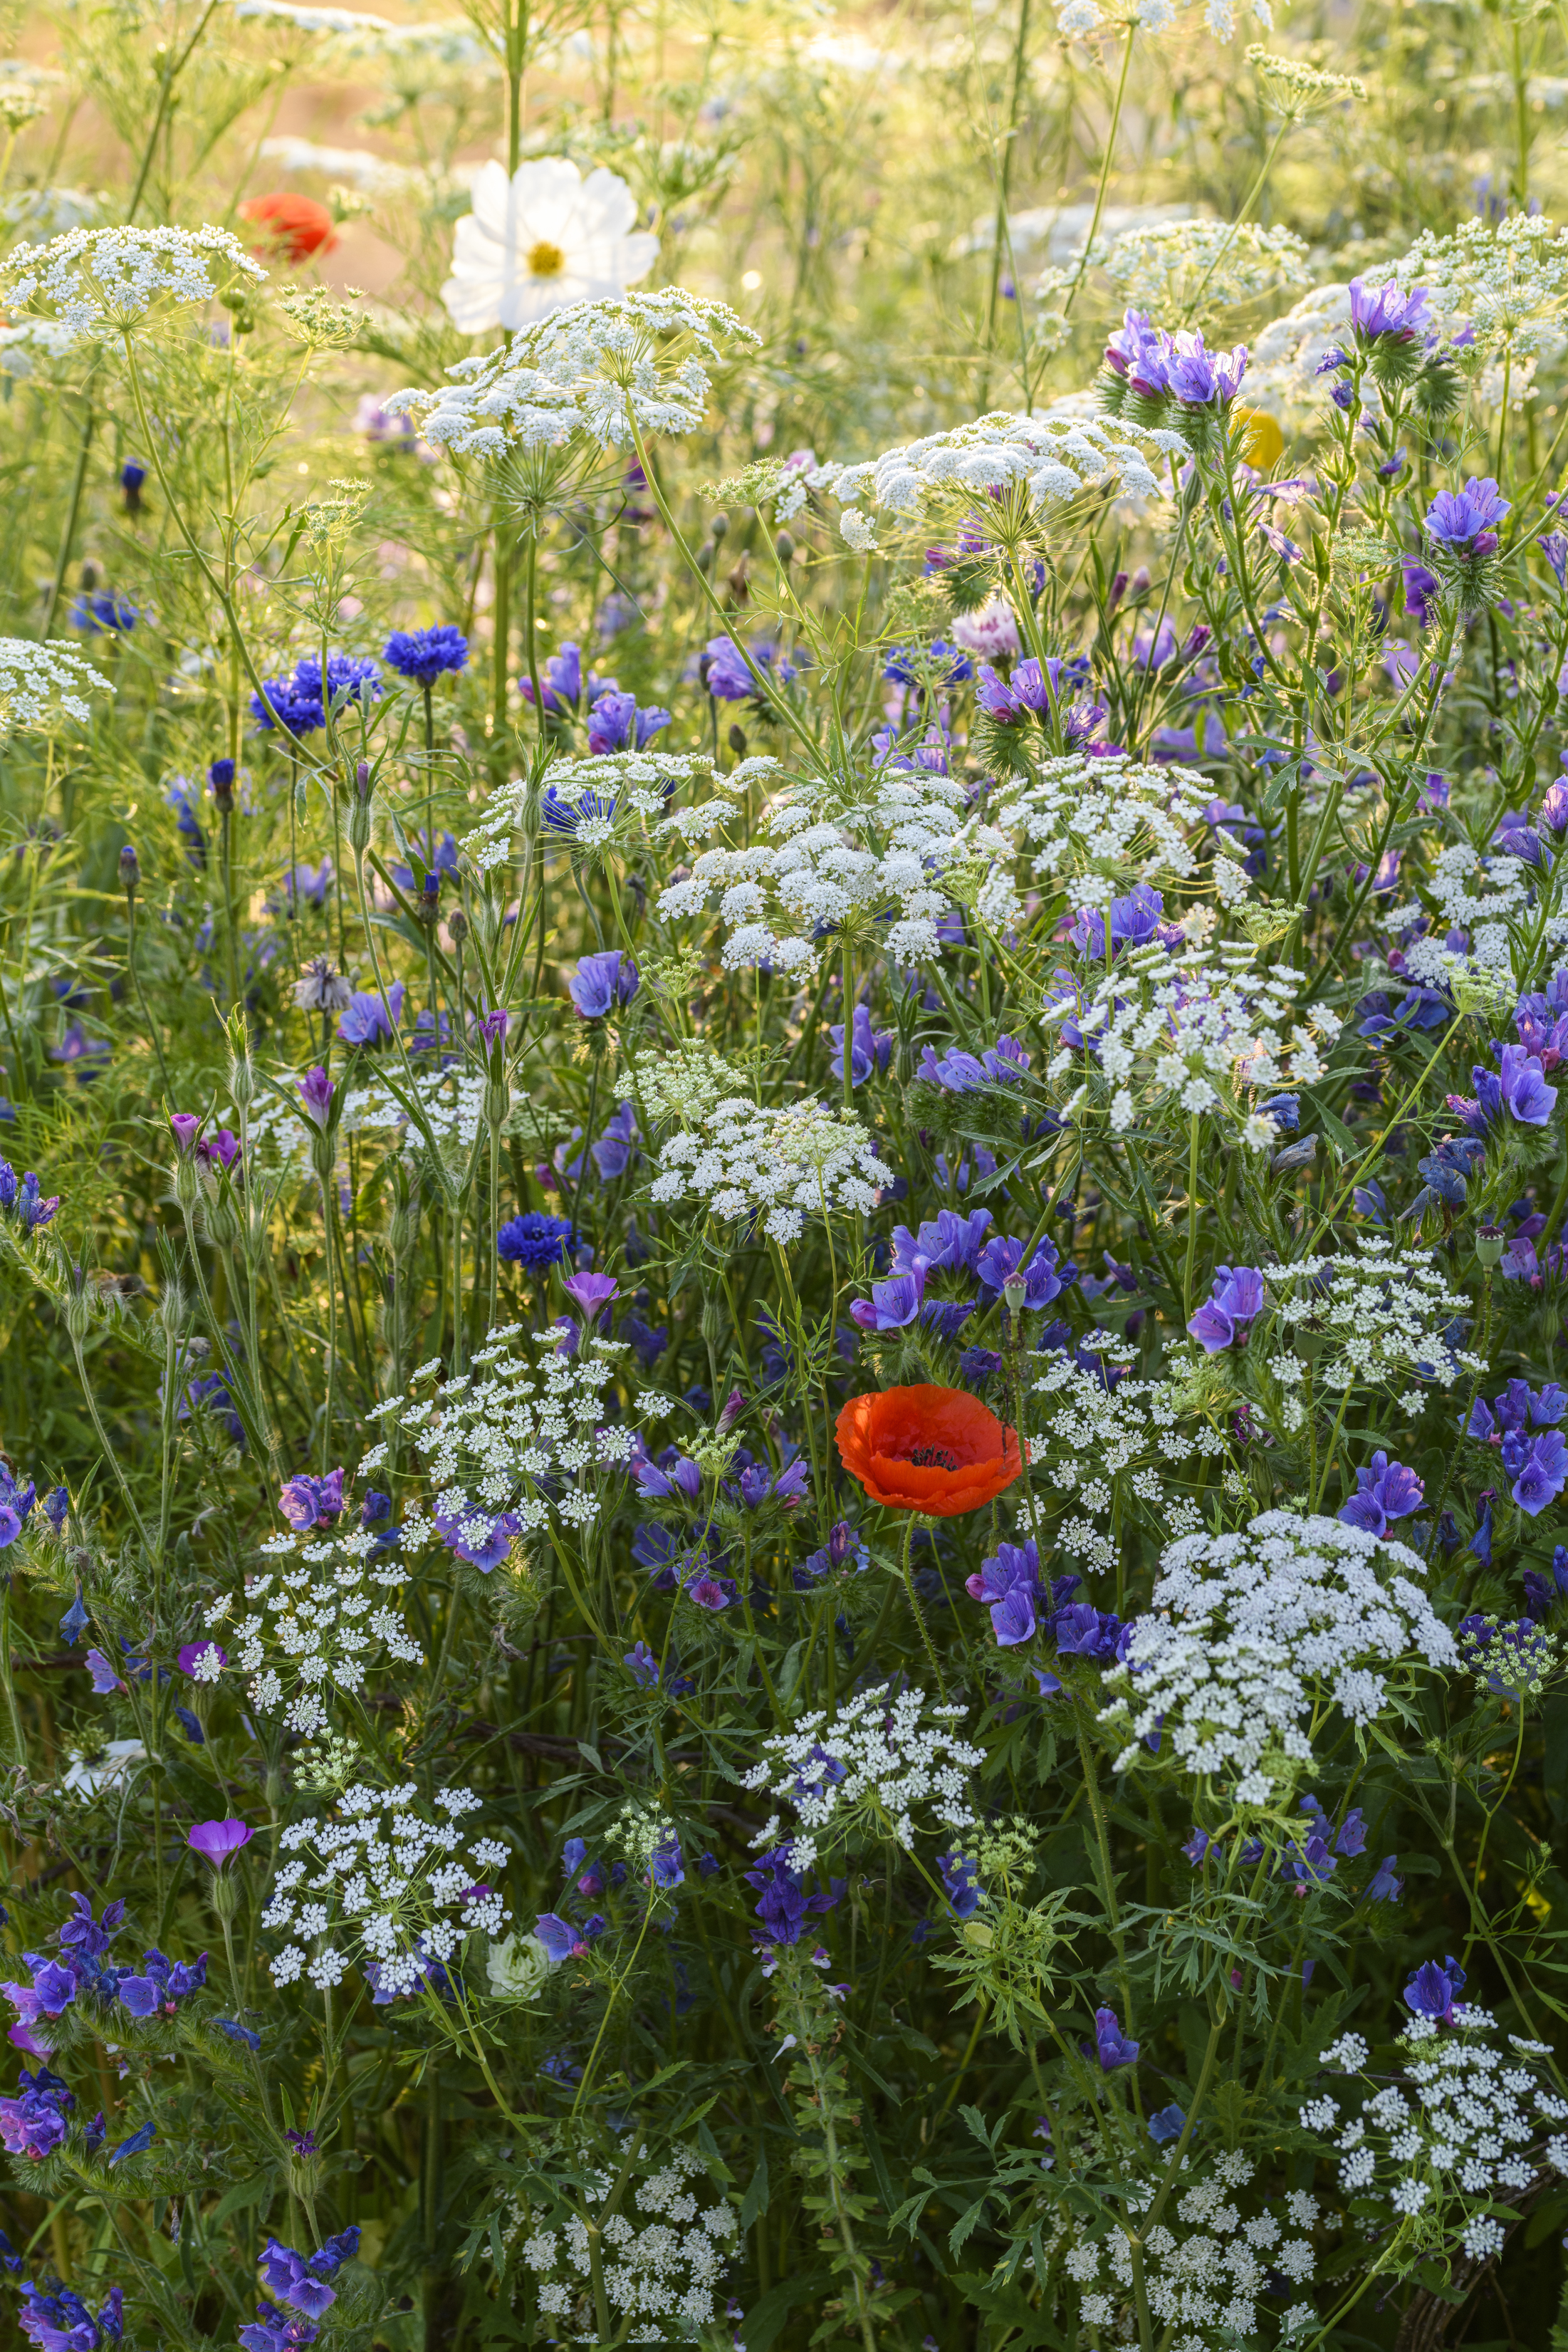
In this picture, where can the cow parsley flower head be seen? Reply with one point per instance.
(1384, 1312)
(865, 1772)
(662, 2253)
(747, 1160)
(1250, 1635)
(40, 684)
(589, 370)
(1452, 2136)
(104, 281)
(1044, 461)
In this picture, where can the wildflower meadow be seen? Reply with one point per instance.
(784, 1176)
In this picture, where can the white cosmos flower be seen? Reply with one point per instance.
(541, 240)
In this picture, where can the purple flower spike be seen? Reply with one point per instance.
(218, 1841)
(1386, 1491)
(1461, 520)
(1227, 1317)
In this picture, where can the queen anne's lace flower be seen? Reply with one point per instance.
(1249, 1635)
(866, 1771)
(99, 280)
(832, 852)
(661, 2273)
(1387, 1312)
(1093, 828)
(1507, 280)
(40, 684)
(1459, 2130)
(590, 368)
(608, 803)
(377, 1886)
(1050, 459)
(744, 1158)
(319, 1620)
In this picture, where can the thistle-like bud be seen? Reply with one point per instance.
(225, 1892)
(457, 924)
(79, 1307)
(130, 871)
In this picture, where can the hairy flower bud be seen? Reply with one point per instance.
(130, 870)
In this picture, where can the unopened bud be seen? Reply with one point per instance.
(242, 1082)
(784, 546)
(458, 925)
(713, 1322)
(359, 826)
(225, 1894)
(497, 1101)
(719, 524)
(130, 871)
(78, 1309)
(738, 741)
(363, 780)
(1015, 1291)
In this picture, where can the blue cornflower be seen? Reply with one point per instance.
(536, 1239)
(423, 654)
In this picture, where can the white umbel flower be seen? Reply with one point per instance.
(540, 241)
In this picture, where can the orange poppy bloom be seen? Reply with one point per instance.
(931, 1450)
(296, 226)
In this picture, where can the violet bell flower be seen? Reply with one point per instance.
(1228, 1315)
(1460, 521)
(217, 1843)
(601, 982)
(316, 1092)
(1386, 1491)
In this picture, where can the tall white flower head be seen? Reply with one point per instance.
(867, 1771)
(1044, 459)
(41, 684)
(588, 370)
(542, 240)
(1251, 1638)
(104, 281)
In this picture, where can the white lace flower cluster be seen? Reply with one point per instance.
(40, 684)
(665, 2270)
(490, 1437)
(1091, 1436)
(1199, 1031)
(1205, 2266)
(1050, 459)
(1076, 19)
(453, 1103)
(107, 278)
(1092, 828)
(837, 851)
(1165, 265)
(1492, 899)
(1458, 2131)
(743, 1158)
(866, 1771)
(610, 801)
(589, 369)
(1506, 279)
(1383, 1313)
(324, 1616)
(1250, 1636)
(378, 1884)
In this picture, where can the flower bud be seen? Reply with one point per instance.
(360, 825)
(497, 1101)
(1489, 1240)
(225, 1894)
(78, 1308)
(457, 924)
(719, 524)
(363, 780)
(1015, 1291)
(130, 871)
(242, 1082)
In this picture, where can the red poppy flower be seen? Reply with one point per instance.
(936, 1451)
(297, 226)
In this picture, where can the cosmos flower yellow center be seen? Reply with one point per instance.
(546, 260)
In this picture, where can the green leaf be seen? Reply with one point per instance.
(754, 2200)
(766, 2319)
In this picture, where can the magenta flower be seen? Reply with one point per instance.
(217, 1842)
(592, 1293)
(316, 1096)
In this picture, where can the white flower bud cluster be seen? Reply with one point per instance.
(664, 2270)
(589, 369)
(1207, 2262)
(324, 1619)
(1050, 460)
(378, 1881)
(1164, 264)
(1093, 828)
(622, 794)
(743, 1158)
(866, 1771)
(1507, 279)
(838, 851)
(488, 1437)
(1459, 2130)
(99, 280)
(39, 684)
(1251, 1635)
(1196, 1033)
(1387, 1311)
